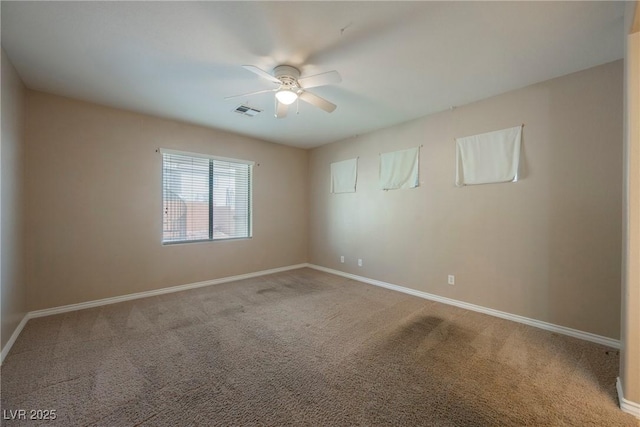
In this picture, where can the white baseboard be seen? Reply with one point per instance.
(113, 300)
(520, 319)
(137, 295)
(587, 336)
(627, 406)
(14, 337)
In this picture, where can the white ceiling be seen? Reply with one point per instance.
(398, 60)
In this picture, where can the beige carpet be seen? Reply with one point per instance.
(304, 348)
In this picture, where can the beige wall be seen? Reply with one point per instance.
(547, 247)
(12, 285)
(630, 319)
(94, 219)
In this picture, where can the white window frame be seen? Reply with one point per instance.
(250, 163)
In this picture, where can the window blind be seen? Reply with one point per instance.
(205, 197)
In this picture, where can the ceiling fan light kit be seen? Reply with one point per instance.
(292, 88)
(286, 96)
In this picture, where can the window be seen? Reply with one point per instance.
(204, 197)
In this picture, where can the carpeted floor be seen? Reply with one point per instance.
(304, 348)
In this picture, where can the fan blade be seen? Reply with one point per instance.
(261, 73)
(328, 78)
(281, 110)
(249, 94)
(317, 101)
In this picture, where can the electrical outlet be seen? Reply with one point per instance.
(451, 279)
(342, 259)
(359, 262)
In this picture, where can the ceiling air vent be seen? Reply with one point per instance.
(245, 110)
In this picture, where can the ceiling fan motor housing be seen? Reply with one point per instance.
(286, 71)
(288, 76)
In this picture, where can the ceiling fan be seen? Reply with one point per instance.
(292, 88)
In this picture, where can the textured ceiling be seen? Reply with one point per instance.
(398, 60)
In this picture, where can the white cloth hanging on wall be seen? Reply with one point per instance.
(490, 157)
(399, 169)
(344, 176)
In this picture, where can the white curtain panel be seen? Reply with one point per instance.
(344, 175)
(399, 169)
(488, 158)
